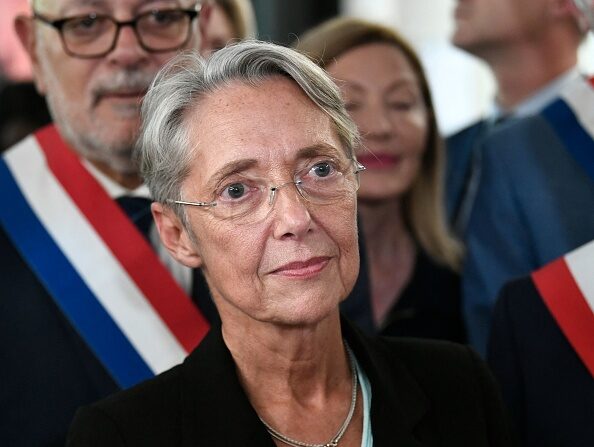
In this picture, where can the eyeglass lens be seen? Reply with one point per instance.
(95, 35)
(258, 199)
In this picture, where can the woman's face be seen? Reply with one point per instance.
(384, 99)
(296, 264)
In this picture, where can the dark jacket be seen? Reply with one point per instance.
(548, 389)
(423, 394)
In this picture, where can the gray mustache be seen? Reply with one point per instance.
(122, 81)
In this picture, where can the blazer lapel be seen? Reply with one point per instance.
(397, 402)
(216, 410)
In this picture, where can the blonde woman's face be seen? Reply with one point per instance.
(384, 99)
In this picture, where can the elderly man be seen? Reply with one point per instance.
(541, 346)
(531, 47)
(86, 306)
(532, 203)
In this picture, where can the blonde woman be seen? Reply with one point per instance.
(411, 258)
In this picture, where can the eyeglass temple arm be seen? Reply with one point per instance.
(183, 202)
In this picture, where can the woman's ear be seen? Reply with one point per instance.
(175, 237)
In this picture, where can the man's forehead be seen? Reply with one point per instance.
(60, 5)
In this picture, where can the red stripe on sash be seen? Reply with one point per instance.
(125, 241)
(568, 306)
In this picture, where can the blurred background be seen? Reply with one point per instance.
(462, 86)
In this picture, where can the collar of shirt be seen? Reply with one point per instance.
(539, 100)
(114, 189)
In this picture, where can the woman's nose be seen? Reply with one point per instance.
(291, 215)
(374, 122)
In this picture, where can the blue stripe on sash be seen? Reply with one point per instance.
(67, 288)
(576, 139)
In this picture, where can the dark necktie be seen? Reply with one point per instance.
(138, 209)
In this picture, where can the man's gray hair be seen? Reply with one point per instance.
(164, 151)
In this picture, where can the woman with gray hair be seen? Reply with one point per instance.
(250, 158)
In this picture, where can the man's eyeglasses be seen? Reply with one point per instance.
(248, 200)
(95, 35)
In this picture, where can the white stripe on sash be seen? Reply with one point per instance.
(580, 98)
(92, 259)
(580, 263)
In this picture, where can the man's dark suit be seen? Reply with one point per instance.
(546, 386)
(47, 370)
(534, 204)
(462, 148)
(423, 394)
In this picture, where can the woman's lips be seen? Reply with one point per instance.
(303, 269)
(379, 161)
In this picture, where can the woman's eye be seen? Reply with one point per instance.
(322, 169)
(401, 105)
(352, 106)
(234, 191)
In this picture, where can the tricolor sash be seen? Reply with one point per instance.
(572, 118)
(93, 262)
(567, 288)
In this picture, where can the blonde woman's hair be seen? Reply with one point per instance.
(423, 203)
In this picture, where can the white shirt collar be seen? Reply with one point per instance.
(114, 189)
(539, 100)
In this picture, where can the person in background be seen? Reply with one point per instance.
(531, 48)
(534, 201)
(230, 20)
(411, 258)
(86, 305)
(250, 155)
(540, 347)
(23, 111)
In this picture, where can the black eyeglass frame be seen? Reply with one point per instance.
(58, 24)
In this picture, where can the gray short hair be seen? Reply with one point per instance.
(163, 150)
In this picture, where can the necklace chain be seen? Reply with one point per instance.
(341, 431)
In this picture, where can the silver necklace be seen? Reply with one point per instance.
(341, 431)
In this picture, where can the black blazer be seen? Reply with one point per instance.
(549, 391)
(423, 394)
